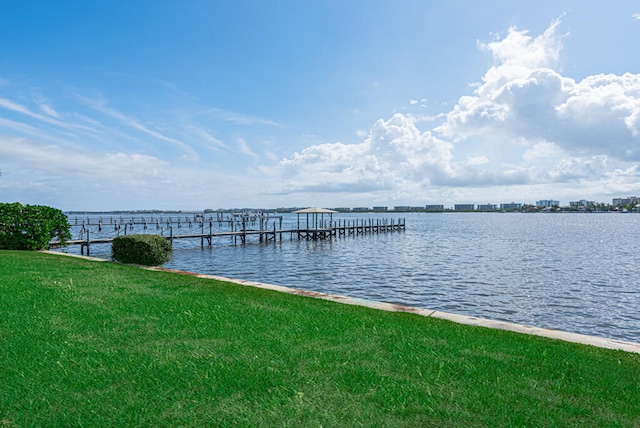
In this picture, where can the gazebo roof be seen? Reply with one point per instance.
(315, 211)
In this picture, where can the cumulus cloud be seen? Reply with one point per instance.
(393, 153)
(525, 123)
(523, 96)
(636, 16)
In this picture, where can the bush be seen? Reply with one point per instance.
(148, 250)
(31, 227)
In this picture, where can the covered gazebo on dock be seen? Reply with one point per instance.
(315, 225)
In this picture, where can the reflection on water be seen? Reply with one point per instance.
(573, 272)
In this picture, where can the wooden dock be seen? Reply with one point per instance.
(124, 222)
(340, 228)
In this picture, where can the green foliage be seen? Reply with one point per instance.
(148, 250)
(31, 227)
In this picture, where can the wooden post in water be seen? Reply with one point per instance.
(244, 230)
(235, 240)
(263, 226)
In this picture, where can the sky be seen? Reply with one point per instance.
(158, 104)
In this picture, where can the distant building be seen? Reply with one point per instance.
(378, 209)
(487, 207)
(342, 209)
(361, 209)
(464, 207)
(547, 203)
(621, 202)
(581, 203)
(434, 207)
(402, 208)
(511, 206)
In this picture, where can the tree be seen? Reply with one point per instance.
(31, 227)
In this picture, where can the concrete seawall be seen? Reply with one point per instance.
(460, 319)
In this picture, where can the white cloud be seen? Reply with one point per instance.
(48, 110)
(636, 16)
(10, 105)
(45, 106)
(522, 63)
(542, 150)
(34, 172)
(242, 119)
(50, 117)
(477, 160)
(519, 51)
(245, 149)
(422, 102)
(522, 96)
(394, 153)
(29, 157)
(525, 125)
(212, 142)
(101, 106)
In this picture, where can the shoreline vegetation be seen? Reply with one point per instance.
(104, 344)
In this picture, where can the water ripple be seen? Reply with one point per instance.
(573, 272)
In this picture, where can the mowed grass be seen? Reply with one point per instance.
(87, 343)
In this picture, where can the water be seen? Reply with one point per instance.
(572, 272)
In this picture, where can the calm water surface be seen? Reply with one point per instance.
(572, 272)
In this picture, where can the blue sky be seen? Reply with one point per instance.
(209, 104)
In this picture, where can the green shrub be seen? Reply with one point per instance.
(148, 250)
(31, 227)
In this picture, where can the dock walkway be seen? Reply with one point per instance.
(338, 228)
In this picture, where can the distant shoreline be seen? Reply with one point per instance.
(291, 210)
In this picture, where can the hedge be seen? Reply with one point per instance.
(148, 250)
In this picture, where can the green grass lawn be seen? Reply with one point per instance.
(87, 343)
